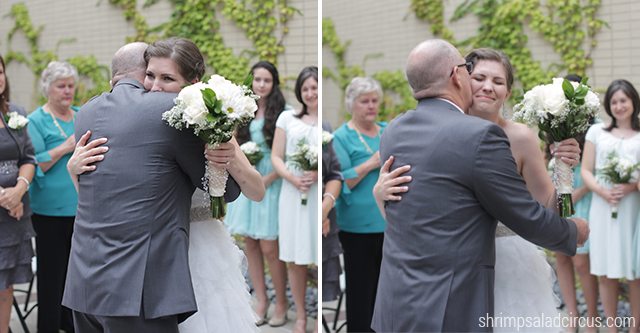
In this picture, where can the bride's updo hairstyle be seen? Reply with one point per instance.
(183, 52)
(493, 55)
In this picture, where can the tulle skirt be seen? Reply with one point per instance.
(222, 294)
(523, 284)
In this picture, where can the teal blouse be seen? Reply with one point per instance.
(356, 208)
(51, 193)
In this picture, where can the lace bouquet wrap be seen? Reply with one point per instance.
(561, 110)
(213, 110)
(304, 158)
(618, 170)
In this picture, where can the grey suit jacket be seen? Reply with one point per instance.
(439, 246)
(129, 248)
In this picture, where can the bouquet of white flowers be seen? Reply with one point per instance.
(304, 158)
(618, 170)
(15, 120)
(326, 137)
(252, 151)
(213, 110)
(561, 110)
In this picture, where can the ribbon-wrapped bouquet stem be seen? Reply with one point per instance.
(560, 110)
(213, 110)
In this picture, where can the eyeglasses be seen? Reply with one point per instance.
(468, 65)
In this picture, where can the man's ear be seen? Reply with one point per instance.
(456, 79)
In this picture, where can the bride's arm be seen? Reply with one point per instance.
(85, 155)
(390, 185)
(229, 156)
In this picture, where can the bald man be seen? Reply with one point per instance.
(439, 252)
(129, 268)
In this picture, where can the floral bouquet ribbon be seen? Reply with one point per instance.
(561, 110)
(304, 158)
(618, 170)
(213, 110)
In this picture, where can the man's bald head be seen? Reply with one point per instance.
(429, 65)
(128, 62)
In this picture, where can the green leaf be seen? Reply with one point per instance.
(209, 97)
(248, 80)
(568, 89)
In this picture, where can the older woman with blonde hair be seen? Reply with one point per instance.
(53, 196)
(361, 225)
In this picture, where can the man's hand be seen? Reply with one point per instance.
(583, 230)
(86, 154)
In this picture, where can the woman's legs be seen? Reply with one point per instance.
(53, 244)
(589, 287)
(298, 281)
(634, 298)
(609, 295)
(256, 273)
(269, 249)
(6, 300)
(362, 260)
(566, 280)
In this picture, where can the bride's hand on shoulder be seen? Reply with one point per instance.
(391, 184)
(86, 154)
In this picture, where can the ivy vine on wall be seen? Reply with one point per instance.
(570, 27)
(94, 78)
(265, 23)
(397, 97)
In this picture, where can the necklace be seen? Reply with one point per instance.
(364, 143)
(55, 122)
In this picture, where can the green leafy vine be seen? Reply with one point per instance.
(94, 78)
(397, 96)
(196, 19)
(570, 27)
(432, 12)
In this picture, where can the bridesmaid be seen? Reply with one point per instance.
(258, 221)
(298, 222)
(611, 241)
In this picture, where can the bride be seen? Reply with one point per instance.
(222, 295)
(523, 278)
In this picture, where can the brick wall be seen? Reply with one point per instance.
(99, 28)
(390, 28)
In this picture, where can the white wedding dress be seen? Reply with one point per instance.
(217, 265)
(523, 283)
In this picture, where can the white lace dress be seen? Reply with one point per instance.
(523, 282)
(216, 264)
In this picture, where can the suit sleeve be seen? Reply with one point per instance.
(504, 195)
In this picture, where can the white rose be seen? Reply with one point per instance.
(553, 99)
(195, 111)
(17, 121)
(592, 101)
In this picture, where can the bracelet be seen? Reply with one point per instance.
(330, 196)
(24, 179)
